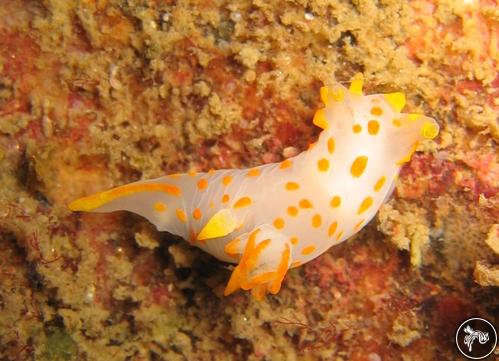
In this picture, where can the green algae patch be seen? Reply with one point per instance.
(59, 346)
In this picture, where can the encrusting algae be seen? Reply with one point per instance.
(99, 93)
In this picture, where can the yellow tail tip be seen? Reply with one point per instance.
(85, 204)
(75, 206)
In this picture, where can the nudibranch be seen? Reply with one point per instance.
(277, 216)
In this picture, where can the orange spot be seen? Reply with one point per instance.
(196, 214)
(332, 228)
(294, 240)
(357, 128)
(307, 250)
(295, 264)
(174, 176)
(379, 183)
(330, 145)
(376, 111)
(397, 123)
(211, 171)
(305, 203)
(192, 173)
(316, 221)
(255, 172)
(323, 165)
(159, 207)
(181, 215)
(225, 198)
(242, 202)
(335, 201)
(202, 184)
(286, 163)
(358, 166)
(311, 146)
(292, 186)
(279, 223)
(357, 226)
(373, 127)
(339, 236)
(292, 211)
(366, 203)
(227, 180)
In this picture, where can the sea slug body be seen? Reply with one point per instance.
(277, 216)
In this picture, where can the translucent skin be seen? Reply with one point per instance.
(277, 216)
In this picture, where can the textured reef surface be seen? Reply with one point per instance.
(99, 93)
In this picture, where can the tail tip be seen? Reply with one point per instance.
(81, 205)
